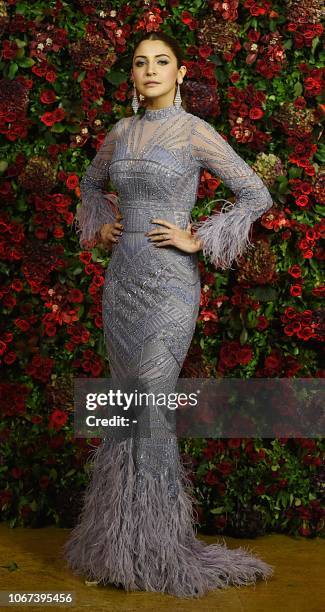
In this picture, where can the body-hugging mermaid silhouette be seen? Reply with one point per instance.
(136, 528)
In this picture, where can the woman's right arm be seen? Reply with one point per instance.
(97, 206)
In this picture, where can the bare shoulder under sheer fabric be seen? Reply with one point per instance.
(137, 525)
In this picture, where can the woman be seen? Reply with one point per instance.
(136, 527)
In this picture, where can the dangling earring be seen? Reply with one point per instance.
(178, 99)
(135, 102)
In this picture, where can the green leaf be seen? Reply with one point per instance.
(313, 265)
(26, 62)
(21, 8)
(218, 510)
(116, 78)
(12, 70)
(314, 44)
(288, 44)
(320, 154)
(243, 336)
(20, 43)
(70, 472)
(57, 128)
(269, 310)
(298, 89)
(22, 206)
(81, 76)
(264, 294)
(319, 208)
(73, 129)
(251, 319)
(283, 188)
(53, 474)
(294, 172)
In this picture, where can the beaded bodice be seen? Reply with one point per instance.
(154, 163)
(151, 166)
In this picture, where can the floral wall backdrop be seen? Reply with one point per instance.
(254, 71)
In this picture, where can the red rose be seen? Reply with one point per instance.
(306, 333)
(57, 419)
(273, 361)
(50, 76)
(262, 323)
(256, 113)
(302, 201)
(48, 96)
(295, 271)
(211, 478)
(228, 354)
(295, 290)
(225, 467)
(290, 312)
(245, 355)
(234, 443)
(48, 119)
(75, 295)
(72, 181)
(17, 472)
(288, 330)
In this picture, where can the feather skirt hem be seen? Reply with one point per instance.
(133, 533)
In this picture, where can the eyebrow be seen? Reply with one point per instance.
(155, 55)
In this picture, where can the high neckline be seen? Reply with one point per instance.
(161, 113)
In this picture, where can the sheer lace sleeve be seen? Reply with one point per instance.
(225, 235)
(97, 206)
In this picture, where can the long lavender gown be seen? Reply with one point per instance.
(136, 528)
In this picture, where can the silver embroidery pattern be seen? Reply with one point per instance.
(137, 523)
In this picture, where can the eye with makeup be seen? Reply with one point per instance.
(139, 63)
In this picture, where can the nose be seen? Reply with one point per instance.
(150, 69)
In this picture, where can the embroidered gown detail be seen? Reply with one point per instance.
(137, 525)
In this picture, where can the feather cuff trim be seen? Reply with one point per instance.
(225, 236)
(91, 215)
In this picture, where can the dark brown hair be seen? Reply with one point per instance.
(171, 43)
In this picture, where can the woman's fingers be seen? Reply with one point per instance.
(110, 231)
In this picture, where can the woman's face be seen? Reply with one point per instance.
(154, 61)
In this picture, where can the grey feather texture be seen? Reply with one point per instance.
(225, 235)
(91, 216)
(118, 539)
